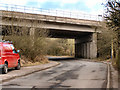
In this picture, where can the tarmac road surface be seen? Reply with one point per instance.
(69, 74)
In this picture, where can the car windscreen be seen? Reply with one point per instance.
(13, 49)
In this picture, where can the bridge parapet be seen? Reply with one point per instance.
(21, 15)
(61, 16)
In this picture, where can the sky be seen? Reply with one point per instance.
(94, 7)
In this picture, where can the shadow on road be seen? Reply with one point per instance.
(61, 58)
(9, 70)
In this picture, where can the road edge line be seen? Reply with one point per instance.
(108, 76)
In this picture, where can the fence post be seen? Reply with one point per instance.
(6, 7)
(63, 13)
(56, 12)
(70, 14)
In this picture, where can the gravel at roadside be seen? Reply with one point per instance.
(113, 77)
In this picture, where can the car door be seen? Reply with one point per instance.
(15, 55)
(7, 54)
(0, 50)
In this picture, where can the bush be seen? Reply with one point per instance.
(30, 46)
(60, 47)
(29, 40)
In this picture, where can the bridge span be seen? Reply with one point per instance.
(83, 31)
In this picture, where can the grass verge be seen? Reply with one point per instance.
(39, 60)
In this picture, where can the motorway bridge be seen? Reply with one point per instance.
(84, 31)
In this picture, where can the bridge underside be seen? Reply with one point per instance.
(85, 42)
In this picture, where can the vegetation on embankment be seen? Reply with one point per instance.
(34, 47)
(60, 47)
(104, 43)
(28, 39)
(113, 23)
(34, 52)
(109, 38)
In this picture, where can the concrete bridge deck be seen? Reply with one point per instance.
(29, 16)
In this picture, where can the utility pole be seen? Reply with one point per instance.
(112, 50)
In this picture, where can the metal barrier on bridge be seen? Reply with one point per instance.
(60, 13)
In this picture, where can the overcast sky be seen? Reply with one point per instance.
(87, 6)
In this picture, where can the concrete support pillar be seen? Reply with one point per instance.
(93, 46)
(82, 50)
(86, 48)
(32, 33)
(79, 50)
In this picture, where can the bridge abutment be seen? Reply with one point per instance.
(86, 47)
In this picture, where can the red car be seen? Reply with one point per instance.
(9, 57)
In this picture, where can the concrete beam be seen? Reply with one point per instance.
(56, 26)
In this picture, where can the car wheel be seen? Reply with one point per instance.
(5, 69)
(18, 66)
